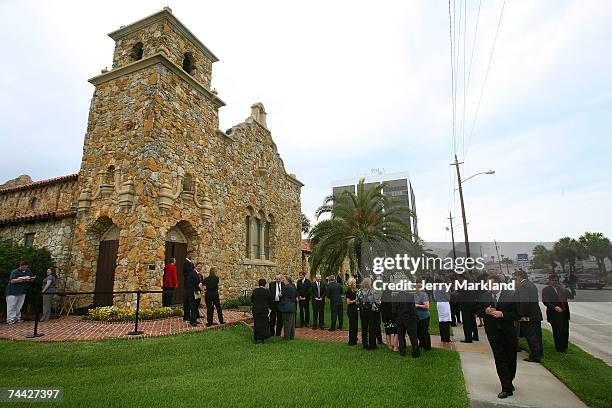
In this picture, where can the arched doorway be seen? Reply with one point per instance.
(107, 263)
(176, 247)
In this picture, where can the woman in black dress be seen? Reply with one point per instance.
(261, 300)
(211, 297)
(386, 312)
(351, 310)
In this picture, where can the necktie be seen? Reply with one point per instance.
(318, 289)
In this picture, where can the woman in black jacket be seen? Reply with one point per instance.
(261, 300)
(211, 297)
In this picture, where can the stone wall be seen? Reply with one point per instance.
(160, 133)
(160, 35)
(154, 161)
(56, 236)
(38, 199)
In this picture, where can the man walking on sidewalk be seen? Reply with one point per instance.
(531, 317)
(554, 297)
(499, 310)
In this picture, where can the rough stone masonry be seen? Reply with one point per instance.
(158, 179)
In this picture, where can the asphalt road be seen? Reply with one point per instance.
(591, 321)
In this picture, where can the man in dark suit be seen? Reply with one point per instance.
(468, 299)
(554, 297)
(287, 306)
(405, 314)
(188, 267)
(276, 316)
(531, 316)
(317, 293)
(303, 288)
(192, 286)
(334, 293)
(500, 311)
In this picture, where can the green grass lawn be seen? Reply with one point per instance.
(587, 376)
(223, 368)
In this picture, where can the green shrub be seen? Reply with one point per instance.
(117, 314)
(235, 303)
(11, 254)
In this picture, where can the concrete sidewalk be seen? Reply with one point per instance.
(535, 385)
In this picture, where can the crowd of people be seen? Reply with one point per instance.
(504, 314)
(276, 306)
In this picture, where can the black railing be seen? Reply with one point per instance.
(138, 293)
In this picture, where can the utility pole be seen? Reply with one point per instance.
(450, 217)
(498, 258)
(465, 231)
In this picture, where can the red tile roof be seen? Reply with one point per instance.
(49, 216)
(306, 246)
(39, 183)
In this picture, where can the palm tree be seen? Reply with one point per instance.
(567, 250)
(305, 223)
(598, 246)
(358, 221)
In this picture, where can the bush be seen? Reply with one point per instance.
(235, 303)
(117, 314)
(11, 254)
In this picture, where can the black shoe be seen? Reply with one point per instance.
(465, 341)
(504, 394)
(513, 388)
(331, 329)
(453, 324)
(193, 324)
(208, 324)
(314, 327)
(221, 322)
(531, 360)
(340, 328)
(214, 324)
(475, 339)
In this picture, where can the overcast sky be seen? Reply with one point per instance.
(349, 87)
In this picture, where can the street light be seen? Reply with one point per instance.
(477, 174)
(465, 231)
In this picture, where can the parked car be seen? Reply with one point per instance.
(586, 281)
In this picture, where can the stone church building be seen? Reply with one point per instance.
(158, 179)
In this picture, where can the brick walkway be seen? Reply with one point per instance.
(75, 328)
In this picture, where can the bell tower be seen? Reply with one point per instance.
(151, 119)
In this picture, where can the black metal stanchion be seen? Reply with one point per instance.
(136, 332)
(35, 333)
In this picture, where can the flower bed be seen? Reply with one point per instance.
(117, 314)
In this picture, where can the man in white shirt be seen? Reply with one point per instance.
(318, 293)
(276, 317)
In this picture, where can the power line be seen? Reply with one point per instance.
(450, 34)
(501, 14)
(464, 87)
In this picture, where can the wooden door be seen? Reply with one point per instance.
(178, 251)
(105, 273)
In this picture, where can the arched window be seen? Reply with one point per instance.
(188, 63)
(247, 250)
(137, 51)
(257, 239)
(267, 240)
(33, 202)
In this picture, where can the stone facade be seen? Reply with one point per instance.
(156, 166)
